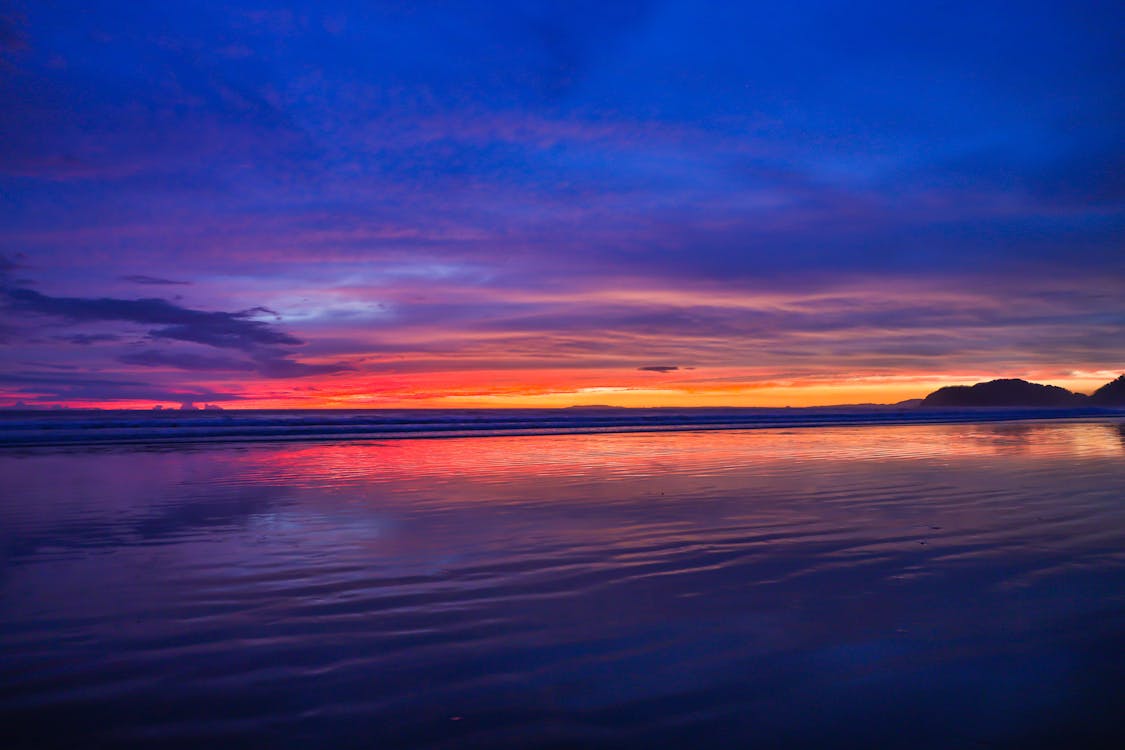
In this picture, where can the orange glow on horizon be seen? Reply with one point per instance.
(711, 387)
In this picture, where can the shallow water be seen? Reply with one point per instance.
(957, 585)
(75, 427)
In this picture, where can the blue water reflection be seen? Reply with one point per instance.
(876, 586)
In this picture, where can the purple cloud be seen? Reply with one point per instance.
(186, 361)
(50, 387)
(236, 330)
(153, 280)
(85, 339)
(266, 346)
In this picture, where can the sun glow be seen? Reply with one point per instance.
(557, 389)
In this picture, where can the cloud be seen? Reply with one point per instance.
(267, 363)
(659, 368)
(153, 280)
(8, 265)
(266, 346)
(85, 339)
(228, 330)
(506, 179)
(283, 367)
(186, 361)
(51, 387)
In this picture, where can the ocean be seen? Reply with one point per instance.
(557, 579)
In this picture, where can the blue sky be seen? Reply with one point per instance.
(456, 201)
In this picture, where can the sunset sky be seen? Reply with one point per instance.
(387, 204)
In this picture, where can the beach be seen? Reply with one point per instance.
(858, 585)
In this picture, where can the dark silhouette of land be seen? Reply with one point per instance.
(1015, 392)
(1110, 394)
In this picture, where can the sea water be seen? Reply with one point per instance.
(840, 585)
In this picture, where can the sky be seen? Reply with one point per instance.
(458, 204)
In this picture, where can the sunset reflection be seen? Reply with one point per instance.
(525, 583)
(507, 459)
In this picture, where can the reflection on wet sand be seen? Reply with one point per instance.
(917, 586)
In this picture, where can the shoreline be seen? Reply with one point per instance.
(209, 429)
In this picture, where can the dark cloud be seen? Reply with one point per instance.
(284, 367)
(50, 387)
(659, 368)
(7, 264)
(186, 361)
(265, 345)
(229, 330)
(153, 280)
(268, 364)
(52, 366)
(85, 339)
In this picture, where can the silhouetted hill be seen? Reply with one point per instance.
(1011, 392)
(1110, 394)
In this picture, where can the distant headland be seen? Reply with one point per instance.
(1015, 392)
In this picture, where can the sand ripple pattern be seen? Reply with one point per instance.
(949, 585)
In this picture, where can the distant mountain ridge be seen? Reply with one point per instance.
(1110, 394)
(1016, 392)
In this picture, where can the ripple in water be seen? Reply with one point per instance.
(914, 586)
